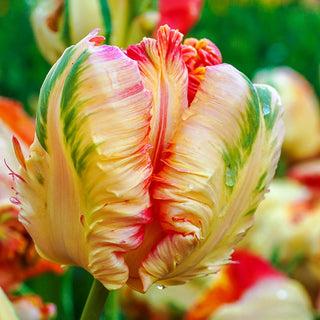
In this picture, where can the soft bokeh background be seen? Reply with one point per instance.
(250, 35)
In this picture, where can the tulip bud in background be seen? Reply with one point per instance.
(27, 307)
(58, 24)
(31, 307)
(287, 230)
(179, 14)
(6, 309)
(301, 116)
(135, 180)
(251, 289)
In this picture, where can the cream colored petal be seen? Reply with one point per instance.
(58, 24)
(6, 309)
(269, 299)
(85, 201)
(215, 173)
(84, 16)
(301, 111)
(165, 74)
(48, 39)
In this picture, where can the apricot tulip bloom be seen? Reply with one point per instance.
(301, 112)
(6, 309)
(130, 180)
(252, 289)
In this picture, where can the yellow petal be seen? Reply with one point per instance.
(283, 299)
(301, 111)
(165, 74)
(85, 201)
(215, 173)
(6, 309)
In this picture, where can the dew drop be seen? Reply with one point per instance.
(161, 287)
(229, 178)
(266, 109)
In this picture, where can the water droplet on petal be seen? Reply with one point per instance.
(161, 287)
(229, 179)
(266, 109)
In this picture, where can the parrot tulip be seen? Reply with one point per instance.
(133, 181)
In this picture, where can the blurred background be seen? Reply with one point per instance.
(251, 35)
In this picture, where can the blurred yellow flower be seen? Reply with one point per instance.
(293, 210)
(132, 181)
(6, 309)
(301, 111)
(58, 24)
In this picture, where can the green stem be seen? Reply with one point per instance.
(95, 302)
(111, 309)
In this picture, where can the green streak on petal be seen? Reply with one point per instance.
(251, 211)
(262, 183)
(236, 155)
(105, 11)
(46, 89)
(265, 96)
(71, 105)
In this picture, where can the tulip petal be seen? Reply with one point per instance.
(165, 74)
(215, 173)
(85, 201)
(6, 309)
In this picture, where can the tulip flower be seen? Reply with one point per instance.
(18, 258)
(301, 116)
(252, 289)
(132, 181)
(293, 209)
(179, 14)
(28, 307)
(58, 24)
(6, 309)
(31, 307)
(13, 121)
(308, 174)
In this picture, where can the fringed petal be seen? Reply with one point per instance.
(165, 74)
(215, 173)
(85, 198)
